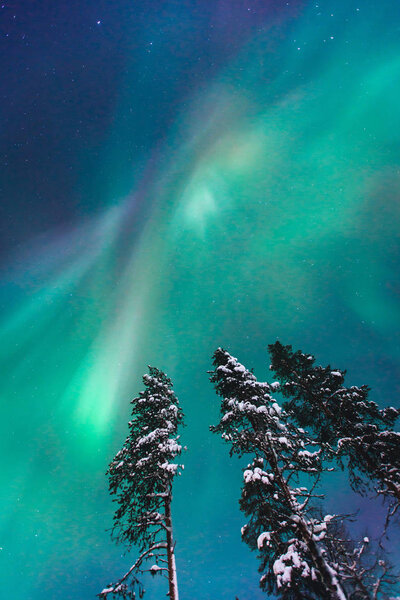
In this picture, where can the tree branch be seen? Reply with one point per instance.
(115, 588)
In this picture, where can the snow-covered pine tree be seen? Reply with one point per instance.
(281, 523)
(141, 477)
(343, 417)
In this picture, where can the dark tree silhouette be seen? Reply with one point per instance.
(343, 417)
(141, 477)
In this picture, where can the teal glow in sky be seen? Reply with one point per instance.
(267, 207)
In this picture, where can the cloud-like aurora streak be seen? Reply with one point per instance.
(271, 209)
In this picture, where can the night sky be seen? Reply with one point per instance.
(175, 176)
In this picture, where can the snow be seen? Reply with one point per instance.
(174, 576)
(150, 437)
(226, 416)
(169, 468)
(308, 454)
(266, 536)
(319, 532)
(248, 476)
(277, 409)
(284, 565)
(155, 568)
(223, 369)
(283, 440)
(257, 474)
(335, 582)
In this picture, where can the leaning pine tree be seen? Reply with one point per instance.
(289, 535)
(342, 417)
(141, 477)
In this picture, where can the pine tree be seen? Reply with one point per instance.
(140, 478)
(281, 525)
(343, 417)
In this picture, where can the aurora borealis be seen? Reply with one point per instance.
(217, 173)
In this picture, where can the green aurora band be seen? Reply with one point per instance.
(271, 209)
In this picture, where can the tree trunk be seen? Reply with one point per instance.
(333, 588)
(172, 579)
(328, 577)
